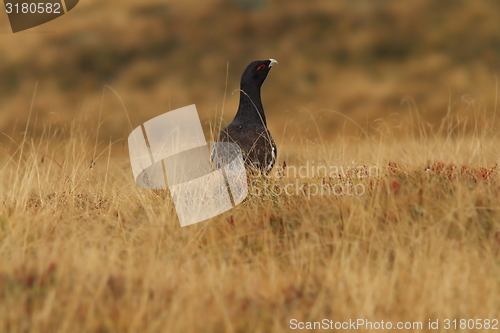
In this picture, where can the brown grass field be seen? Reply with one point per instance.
(406, 93)
(85, 250)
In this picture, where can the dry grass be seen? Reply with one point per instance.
(409, 87)
(361, 58)
(84, 250)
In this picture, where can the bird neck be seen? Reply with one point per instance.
(250, 110)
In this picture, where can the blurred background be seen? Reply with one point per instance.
(343, 64)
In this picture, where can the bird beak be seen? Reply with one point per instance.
(272, 62)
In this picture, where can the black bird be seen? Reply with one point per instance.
(249, 127)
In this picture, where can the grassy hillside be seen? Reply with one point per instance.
(84, 249)
(404, 93)
(364, 59)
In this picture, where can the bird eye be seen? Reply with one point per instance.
(262, 66)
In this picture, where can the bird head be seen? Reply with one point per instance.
(256, 72)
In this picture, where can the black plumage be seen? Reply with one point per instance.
(249, 127)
